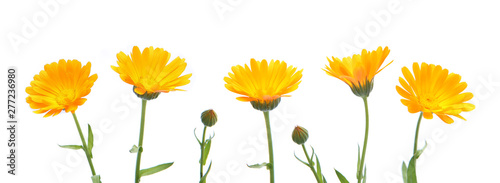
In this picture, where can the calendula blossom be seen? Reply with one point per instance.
(358, 71)
(263, 84)
(150, 72)
(433, 90)
(60, 86)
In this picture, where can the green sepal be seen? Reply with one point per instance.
(96, 179)
(134, 149)
(90, 143)
(155, 169)
(206, 151)
(74, 147)
(204, 178)
(341, 177)
(300, 160)
(267, 165)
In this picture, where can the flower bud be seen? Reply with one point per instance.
(299, 135)
(266, 105)
(209, 117)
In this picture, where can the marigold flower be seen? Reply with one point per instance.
(263, 84)
(358, 72)
(432, 90)
(149, 72)
(60, 86)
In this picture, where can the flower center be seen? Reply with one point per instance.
(65, 97)
(428, 102)
(149, 84)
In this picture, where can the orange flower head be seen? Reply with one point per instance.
(60, 86)
(149, 72)
(432, 90)
(263, 84)
(359, 71)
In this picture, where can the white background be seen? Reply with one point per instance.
(214, 35)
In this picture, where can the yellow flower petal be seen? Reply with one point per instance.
(432, 90)
(60, 86)
(263, 81)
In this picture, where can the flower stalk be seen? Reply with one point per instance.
(141, 138)
(270, 147)
(360, 174)
(85, 147)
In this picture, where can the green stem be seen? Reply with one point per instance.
(311, 164)
(87, 153)
(270, 146)
(141, 138)
(362, 163)
(202, 151)
(416, 133)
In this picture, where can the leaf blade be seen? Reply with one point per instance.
(155, 169)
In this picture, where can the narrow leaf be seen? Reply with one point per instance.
(199, 142)
(404, 170)
(74, 147)
(364, 176)
(318, 168)
(155, 169)
(134, 149)
(358, 166)
(412, 171)
(300, 160)
(90, 143)
(258, 165)
(204, 178)
(341, 177)
(96, 179)
(206, 151)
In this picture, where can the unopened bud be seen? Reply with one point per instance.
(209, 117)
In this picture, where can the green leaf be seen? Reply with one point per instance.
(204, 178)
(318, 168)
(155, 169)
(324, 179)
(300, 160)
(134, 149)
(90, 141)
(364, 176)
(419, 152)
(358, 171)
(74, 147)
(206, 151)
(267, 165)
(412, 171)
(341, 177)
(199, 142)
(404, 170)
(96, 179)
(412, 174)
